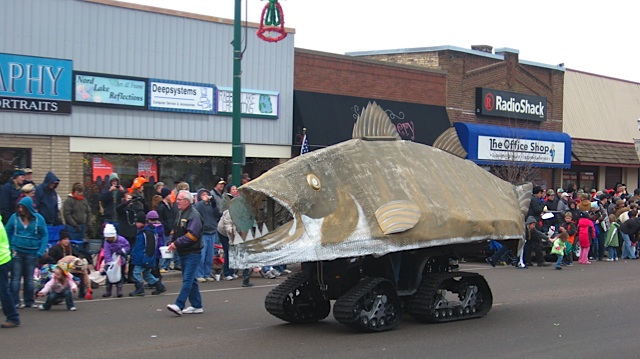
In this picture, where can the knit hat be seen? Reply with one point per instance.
(530, 220)
(17, 173)
(109, 231)
(152, 215)
(64, 234)
(164, 192)
(141, 217)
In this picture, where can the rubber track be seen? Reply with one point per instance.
(420, 305)
(343, 308)
(312, 311)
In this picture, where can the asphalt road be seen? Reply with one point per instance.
(580, 312)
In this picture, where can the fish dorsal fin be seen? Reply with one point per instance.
(449, 141)
(398, 216)
(374, 123)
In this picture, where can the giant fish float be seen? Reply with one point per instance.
(375, 222)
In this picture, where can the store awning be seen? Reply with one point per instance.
(599, 153)
(502, 145)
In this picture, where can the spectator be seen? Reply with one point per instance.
(611, 239)
(143, 257)
(534, 239)
(210, 214)
(559, 247)
(114, 244)
(110, 198)
(28, 238)
(12, 318)
(46, 200)
(586, 235)
(9, 194)
(60, 286)
(167, 216)
(569, 226)
(535, 205)
(77, 213)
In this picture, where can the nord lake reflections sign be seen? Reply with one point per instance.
(109, 90)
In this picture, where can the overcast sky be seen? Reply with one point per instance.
(594, 37)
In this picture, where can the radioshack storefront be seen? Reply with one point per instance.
(517, 154)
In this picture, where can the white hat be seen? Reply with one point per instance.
(109, 231)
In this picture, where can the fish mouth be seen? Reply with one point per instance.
(276, 220)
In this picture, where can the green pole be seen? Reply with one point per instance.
(237, 147)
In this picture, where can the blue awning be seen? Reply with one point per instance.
(502, 145)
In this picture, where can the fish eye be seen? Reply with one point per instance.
(313, 181)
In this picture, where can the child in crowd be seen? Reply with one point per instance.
(60, 286)
(586, 234)
(114, 244)
(143, 257)
(611, 240)
(559, 248)
(569, 226)
(153, 219)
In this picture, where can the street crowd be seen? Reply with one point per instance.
(44, 247)
(564, 226)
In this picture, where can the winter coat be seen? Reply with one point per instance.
(535, 208)
(167, 215)
(226, 226)
(159, 228)
(57, 252)
(559, 247)
(144, 250)
(210, 215)
(586, 232)
(9, 194)
(46, 200)
(33, 238)
(571, 230)
(54, 286)
(119, 246)
(631, 226)
(187, 234)
(127, 219)
(110, 200)
(76, 211)
(611, 239)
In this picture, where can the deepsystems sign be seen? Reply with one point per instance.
(491, 102)
(180, 96)
(520, 150)
(35, 84)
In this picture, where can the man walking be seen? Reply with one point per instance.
(187, 241)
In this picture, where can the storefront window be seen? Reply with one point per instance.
(580, 179)
(12, 158)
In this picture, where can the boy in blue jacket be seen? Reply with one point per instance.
(143, 257)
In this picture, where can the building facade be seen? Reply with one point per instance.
(507, 112)
(90, 87)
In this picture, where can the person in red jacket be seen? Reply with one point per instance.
(586, 234)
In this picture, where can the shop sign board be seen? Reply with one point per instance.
(180, 96)
(104, 90)
(497, 103)
(520, 150)
(35, 84)
(253, 103)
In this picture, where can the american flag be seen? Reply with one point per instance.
(305, 145)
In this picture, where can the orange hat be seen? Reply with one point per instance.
(137, 183)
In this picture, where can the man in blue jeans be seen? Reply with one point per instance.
(6, 299)
(187, 241)
(210, 216)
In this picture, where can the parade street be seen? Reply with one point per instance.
(585, 311)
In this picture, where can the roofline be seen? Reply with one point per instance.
(615, 143)
(499, 55)
(184, 14)
(370, 61)
(603, 76)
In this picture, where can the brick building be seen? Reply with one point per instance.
(330, 91)
(475, 76)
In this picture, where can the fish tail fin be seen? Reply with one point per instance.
(374, 122)
(449, 141)
(523, 192)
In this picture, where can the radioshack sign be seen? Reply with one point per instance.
(496, 103)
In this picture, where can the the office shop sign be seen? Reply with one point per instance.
(496, 103)
(35, 84)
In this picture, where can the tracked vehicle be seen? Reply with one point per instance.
(377, 223)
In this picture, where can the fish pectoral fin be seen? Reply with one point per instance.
(398, 216)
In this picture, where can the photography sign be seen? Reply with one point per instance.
(496, 103)
(109, 90)
(178, 96)
(35, 84)
(520, 150)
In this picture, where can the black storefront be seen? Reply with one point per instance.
(329, 119)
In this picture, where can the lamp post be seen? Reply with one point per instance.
(237, 149)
